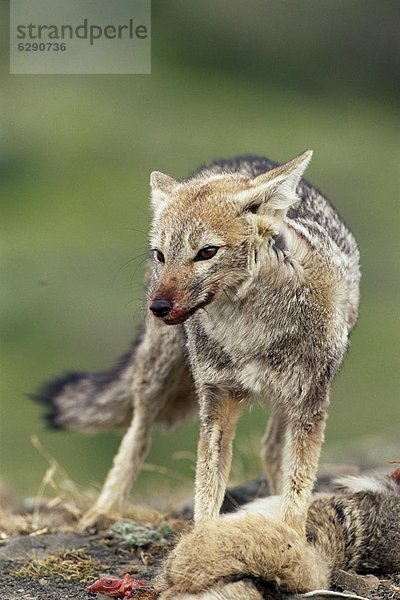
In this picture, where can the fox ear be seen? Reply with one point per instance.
(161, 188)
(274, 190)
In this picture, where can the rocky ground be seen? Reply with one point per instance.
(50, 561)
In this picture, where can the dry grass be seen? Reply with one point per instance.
(59, 504)
(74, 565)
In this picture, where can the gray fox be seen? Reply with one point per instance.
(253, 292)
(232, 556)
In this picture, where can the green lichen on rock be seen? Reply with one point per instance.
(137, 535)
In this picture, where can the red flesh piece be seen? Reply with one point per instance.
(395, 476)
(116, 588)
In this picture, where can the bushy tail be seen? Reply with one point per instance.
(90, 401)
(154, 370)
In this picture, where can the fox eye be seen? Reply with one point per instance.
(159, 255)
(206, 253)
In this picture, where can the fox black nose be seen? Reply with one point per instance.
(160, 308)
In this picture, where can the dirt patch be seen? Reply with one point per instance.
(66, 574)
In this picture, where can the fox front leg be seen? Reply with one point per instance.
(218, 418)
(304, 438)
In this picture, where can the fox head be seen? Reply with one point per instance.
(207, 233)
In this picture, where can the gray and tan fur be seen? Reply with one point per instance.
(267, 318)
(356, 528)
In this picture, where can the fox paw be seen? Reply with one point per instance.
(95, 518)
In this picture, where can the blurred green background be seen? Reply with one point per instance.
(228, 77)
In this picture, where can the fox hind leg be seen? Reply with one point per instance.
(160, 380)
(272, 450)
(126, 466)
